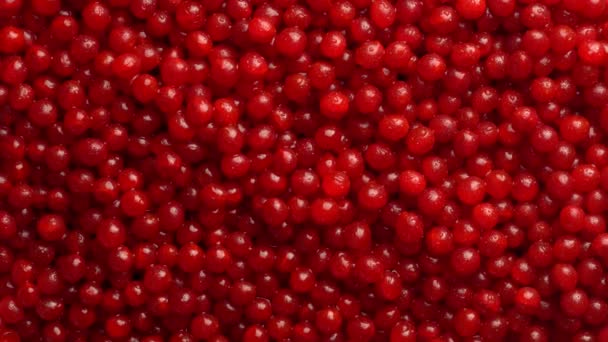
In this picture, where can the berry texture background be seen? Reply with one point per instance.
(303, 170)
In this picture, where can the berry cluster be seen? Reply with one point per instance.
(303, 170)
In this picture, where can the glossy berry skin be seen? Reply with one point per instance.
(466, 322)
(574, 303)
(51, 227)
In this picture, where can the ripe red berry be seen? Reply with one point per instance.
(51, 227)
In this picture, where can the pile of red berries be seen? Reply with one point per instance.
(303, 170)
